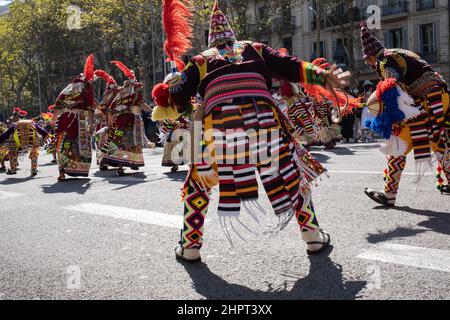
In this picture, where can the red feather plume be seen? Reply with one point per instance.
(105, 76)
(338, 98)
(176, 22)
(127, 72)
(89, 68)
(180, 64)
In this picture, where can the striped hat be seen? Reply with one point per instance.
(371, 46)
(220, 30)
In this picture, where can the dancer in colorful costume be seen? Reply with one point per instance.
(173, 146)
(104, 120)
(298, 110)
(411, 105)
(329, 132)
(49, 125)
(3, 149)
(123, 147)
(73, 110)
(16, 115)
(22, 137)
(233, 79)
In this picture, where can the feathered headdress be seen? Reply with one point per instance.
(89, 68)
(47, 116)
(127, 72)
(178, 28)
(105, 76)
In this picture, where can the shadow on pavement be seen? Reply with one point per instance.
(70, 185)
(10, 180)
(177, 176)
(322, 158)
(399, 232)
(325, 281)
(438, 222)
(340, 151)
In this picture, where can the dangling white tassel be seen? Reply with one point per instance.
(406, 105)
(422, 166)
(223, 224)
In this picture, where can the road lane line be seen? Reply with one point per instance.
(420, 257)
(6, 195)
(137, 215)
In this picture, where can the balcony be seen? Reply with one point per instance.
(284, 25)
(395, 7)
(424, 5)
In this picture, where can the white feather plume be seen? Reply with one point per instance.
(394, 146)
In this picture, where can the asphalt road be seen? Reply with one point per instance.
(110, 237)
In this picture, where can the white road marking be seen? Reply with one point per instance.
(434, 259)
(137, 215)
(375, 172)
(6, 195)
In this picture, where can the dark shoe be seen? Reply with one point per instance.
(380, 197)
(103, 167)
(54, 162)
(3, 169)
(120, 172)
(445, 189)
(9, 172)
(34, 172)
(134, 168)
(174, 169)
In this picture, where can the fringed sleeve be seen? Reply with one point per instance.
(291, 68)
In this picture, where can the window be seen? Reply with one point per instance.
(339, 53)
(287, 43)
(262, 13)
(425, 4)
(395, 38)
(427, 40)
(322, 50)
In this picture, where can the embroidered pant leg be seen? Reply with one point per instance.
(196, 203)
(34, 154)
(396, 165)
(306, 217)
(13, 160)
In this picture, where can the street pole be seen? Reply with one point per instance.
(152, 26)
(318, 28)
(448, 28)
(39, 87)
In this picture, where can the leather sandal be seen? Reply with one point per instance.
(325, 244)
(380, 197)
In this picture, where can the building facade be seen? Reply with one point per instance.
(421, 26)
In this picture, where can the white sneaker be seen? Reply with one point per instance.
(316, 241)
(188, 255)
